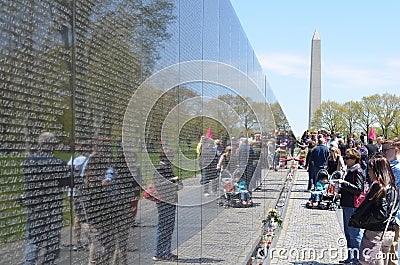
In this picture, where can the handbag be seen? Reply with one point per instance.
(359, 198)
(152, 194)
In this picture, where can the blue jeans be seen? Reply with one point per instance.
(316, 196)
(245, 195)
(164, 230)
(353, 235)
(49, 239)
(311, 180)
(32, 249)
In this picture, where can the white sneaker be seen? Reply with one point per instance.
(206, 194)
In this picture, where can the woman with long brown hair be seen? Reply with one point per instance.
(377, 213)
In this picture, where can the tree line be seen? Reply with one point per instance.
(380, 111)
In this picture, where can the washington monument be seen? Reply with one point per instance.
(315, 77)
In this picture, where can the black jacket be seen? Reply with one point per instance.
(374, 215)
(354, 184)
(165, 183)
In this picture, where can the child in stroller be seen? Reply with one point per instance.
(320, 187)
(325, 195)
(235, 193)
(245, 195)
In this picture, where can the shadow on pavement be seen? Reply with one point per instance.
(200, 260)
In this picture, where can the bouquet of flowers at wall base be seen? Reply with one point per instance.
(272, 218)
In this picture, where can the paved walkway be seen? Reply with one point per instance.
(308, 236)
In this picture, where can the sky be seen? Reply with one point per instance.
(360, 49)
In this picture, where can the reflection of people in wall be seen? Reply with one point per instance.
(123, 190)
(166, 184)
(208, 165)
(98, 206)
(246, 158)
(45, 178)
(79, 164)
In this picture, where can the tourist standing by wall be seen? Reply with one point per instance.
(166, 184)
(208, 165)
(351, 185)
(45, 179)
(98, 203)
(335, 161)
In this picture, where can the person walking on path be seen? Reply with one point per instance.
(391, 150)
(351, 185)
(376, 214)
(318, 158)
(307, 166)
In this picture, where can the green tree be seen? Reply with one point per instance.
(396, 126)
(329, 117)
(243, 108)
(350, 110)
(367, 117)
(387, 108)
(118, 43)
(281, 121)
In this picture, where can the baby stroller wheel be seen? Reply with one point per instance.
(309, 205)
(323, 206)
(332, 206)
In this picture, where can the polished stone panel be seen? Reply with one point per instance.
(91, 91)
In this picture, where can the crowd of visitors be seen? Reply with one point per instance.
(237, 154)
(368, 189)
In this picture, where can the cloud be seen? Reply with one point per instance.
(369, 77)
(336, 75)
(285, 64)
(393, 63)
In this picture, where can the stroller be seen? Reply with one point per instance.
(328, 198)
(232, 190)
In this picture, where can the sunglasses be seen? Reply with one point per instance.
(347, 158)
